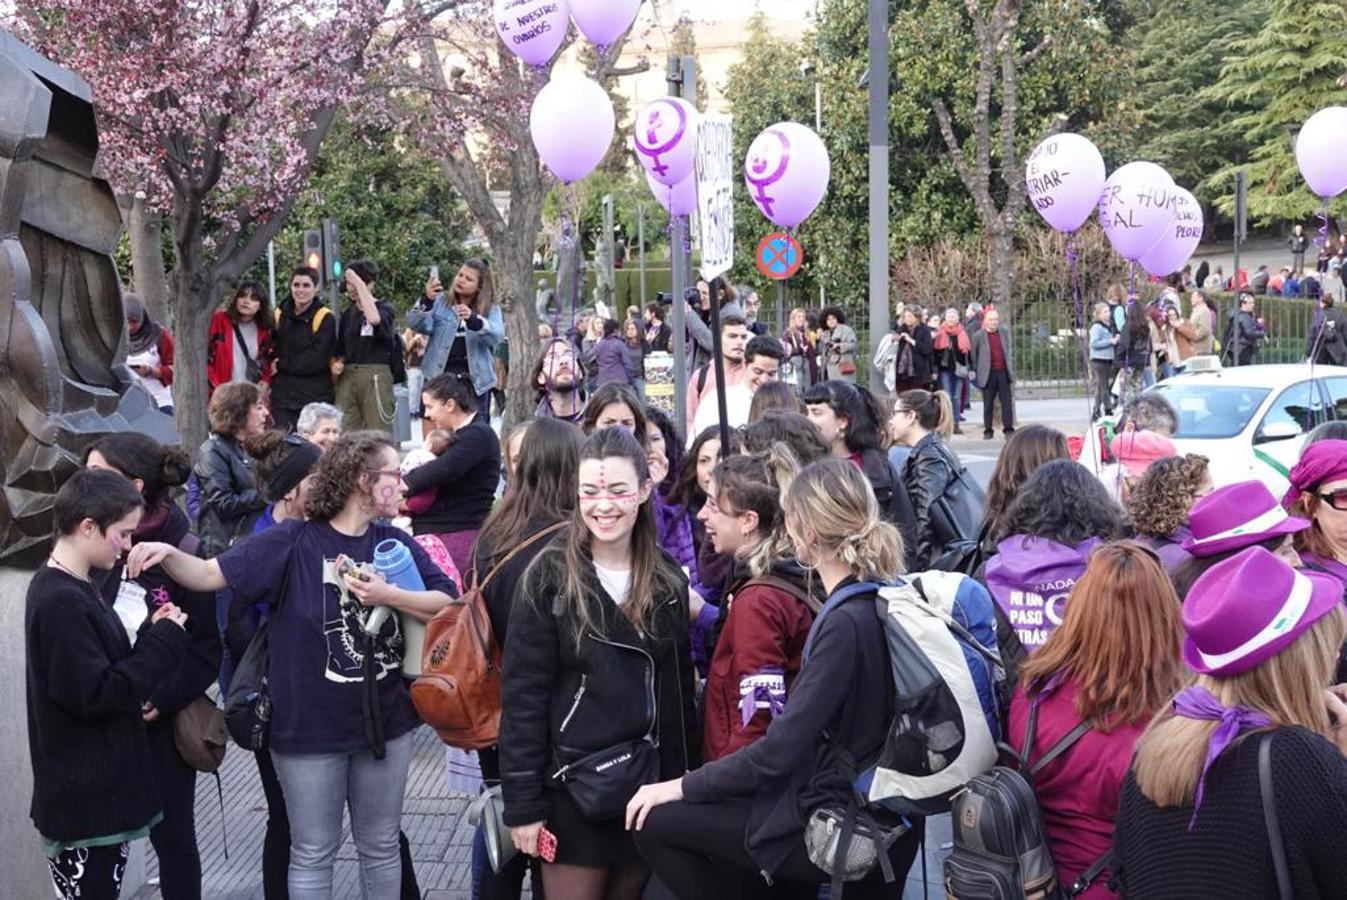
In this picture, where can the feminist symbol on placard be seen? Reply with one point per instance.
(767, 165)
(651, 129)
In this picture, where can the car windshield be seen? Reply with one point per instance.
(1208, 410)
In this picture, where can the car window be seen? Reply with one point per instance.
(1337, 395)
(1295, 408)
(1210, 410)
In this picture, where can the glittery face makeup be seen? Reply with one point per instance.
(610, 497)
(116, 540)
(386, 488)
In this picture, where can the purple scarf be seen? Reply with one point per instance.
(1198, 703)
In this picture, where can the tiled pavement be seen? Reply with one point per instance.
(434, 820)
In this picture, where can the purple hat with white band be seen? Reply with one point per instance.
(1235, 516)
(1246, 609)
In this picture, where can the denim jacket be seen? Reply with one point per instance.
(440, 322)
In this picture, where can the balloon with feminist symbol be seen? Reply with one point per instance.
(665, 138)
(787, 171)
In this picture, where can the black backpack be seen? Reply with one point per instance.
(956, 517)
(1001, 848)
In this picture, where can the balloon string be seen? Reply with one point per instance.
(1082, 326)
(1321, 240)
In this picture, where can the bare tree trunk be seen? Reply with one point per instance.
(514, 266)
(189, 345)
(1002, 243)
(148, 277)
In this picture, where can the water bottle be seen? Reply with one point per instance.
(393, 560)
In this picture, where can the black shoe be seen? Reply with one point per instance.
(1008, 432)
(987, 435)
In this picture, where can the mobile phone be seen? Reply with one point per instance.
(434, 273)
(547, 845)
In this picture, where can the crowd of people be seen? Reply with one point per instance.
(693, 677)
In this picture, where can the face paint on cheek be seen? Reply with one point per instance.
(386, 494)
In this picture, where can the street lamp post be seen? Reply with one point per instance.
(879, 176)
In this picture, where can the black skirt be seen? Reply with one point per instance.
(584, 842)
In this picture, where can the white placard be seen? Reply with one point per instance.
(715, 193)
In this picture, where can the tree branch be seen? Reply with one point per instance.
(1027, 59)
(978, 191)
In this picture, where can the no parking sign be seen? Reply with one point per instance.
(779, 256)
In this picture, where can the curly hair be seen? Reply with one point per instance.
(339, 472)
(1159, 503)
(1063, 502)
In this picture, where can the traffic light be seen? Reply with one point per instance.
(313, 252)
(332, 251)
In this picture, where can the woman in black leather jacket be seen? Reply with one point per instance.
(920, 420)
(850, 421)
(230, 502)
(596, 670)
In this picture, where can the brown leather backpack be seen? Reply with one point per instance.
(458, 692)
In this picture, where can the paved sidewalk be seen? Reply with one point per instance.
(434, 820)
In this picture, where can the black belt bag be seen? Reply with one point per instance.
(603, 782)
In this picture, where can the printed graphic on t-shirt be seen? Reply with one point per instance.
(343, 626)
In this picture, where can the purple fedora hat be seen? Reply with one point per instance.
(1248, 608)
(1237, 515)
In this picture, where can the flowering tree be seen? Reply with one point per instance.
(211, 113)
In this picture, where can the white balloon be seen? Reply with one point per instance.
(531, 29)
(604, 21)
(1063, 177)
(1136, 208)
(1319, 151)
(572, 123)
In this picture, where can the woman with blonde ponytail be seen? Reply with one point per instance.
(768, 606)
(717, 830)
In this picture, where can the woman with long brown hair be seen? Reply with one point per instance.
(1111, 664)
(1028, 448)
(1258, 739)
(597, 681)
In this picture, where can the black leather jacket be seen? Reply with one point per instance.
(230, 503)
(927, 475)
(561, 702)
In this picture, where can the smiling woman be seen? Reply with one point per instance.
(596, 665)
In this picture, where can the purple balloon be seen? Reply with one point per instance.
(604, 21)
(531, 29)
(787, 171)
(665, 138)
(1179, 241)
(1136, 208)
(572, 125)
(678, 200)
(1319, 151)
(1064, 176)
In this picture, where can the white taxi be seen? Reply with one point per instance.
(1251, 421)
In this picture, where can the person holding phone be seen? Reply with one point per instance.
(597, 688)
(149, 352)
(463, 325)
(88, 686)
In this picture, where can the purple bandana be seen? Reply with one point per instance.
(1198, 703)
(764, 690)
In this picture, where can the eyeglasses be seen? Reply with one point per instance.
(397, 473)
(1336, 499)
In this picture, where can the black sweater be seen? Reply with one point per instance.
(501, 591)
(303, 356)
(92, 770)
(464, 477)
(1227, 854)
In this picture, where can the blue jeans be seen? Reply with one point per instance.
(950, 383)
(317, 788)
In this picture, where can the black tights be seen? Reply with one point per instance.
(624, 881)
(698, 851)
(276, 842)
